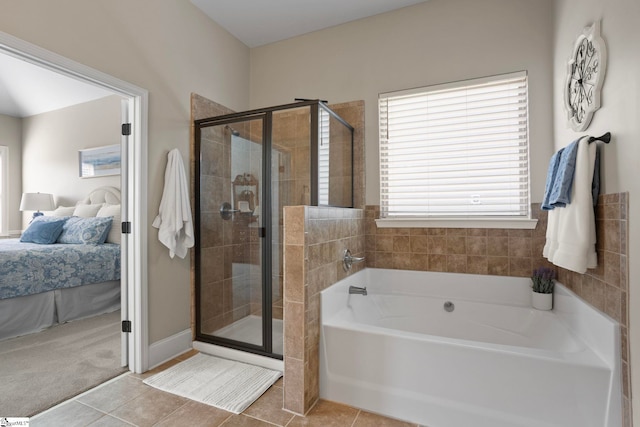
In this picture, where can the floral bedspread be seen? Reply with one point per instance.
(29, 268)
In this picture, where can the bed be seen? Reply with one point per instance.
(42, 285)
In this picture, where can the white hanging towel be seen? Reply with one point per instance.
(571, 230)
(174, 223)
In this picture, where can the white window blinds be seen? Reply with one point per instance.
(458, 150)
(323, 158)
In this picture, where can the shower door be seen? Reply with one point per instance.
(233, 302)
(250, 166)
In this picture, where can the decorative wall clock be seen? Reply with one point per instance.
(585, 75)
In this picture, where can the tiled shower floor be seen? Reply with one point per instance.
(127, 401)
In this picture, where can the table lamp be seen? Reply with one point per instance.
(37, 202)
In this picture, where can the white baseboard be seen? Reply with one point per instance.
(169, 348)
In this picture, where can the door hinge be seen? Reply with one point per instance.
(262, 232)
(126, 129)
(126, 227)
(126, 326)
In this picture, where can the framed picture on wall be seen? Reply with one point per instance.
(99, 161)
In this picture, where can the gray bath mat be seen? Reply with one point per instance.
(222, 383)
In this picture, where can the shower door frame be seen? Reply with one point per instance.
(265, 234)
(266, 114)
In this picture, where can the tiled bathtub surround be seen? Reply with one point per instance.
(502, 252)
(507, 252)
(314, 240)
(606, 287)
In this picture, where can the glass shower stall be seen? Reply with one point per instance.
(249, 166)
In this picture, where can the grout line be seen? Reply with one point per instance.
(225, 420)
(89, 406)
(119, 419)
(248, 416)
(75, 398)
(174, 411)
(260, 419)
(356, 418)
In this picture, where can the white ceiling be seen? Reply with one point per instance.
(27, 89)
(259, 22)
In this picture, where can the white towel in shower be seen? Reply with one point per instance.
(174, 216)
(571, 230)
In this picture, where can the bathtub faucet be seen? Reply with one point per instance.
(357, 290)
(348, 260)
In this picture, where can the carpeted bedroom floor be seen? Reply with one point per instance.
(40, 370)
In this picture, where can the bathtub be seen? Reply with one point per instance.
(492, 361)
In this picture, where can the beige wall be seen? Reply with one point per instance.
(434, 42)
(50, 144)
(169, 48)
(11, 137)
(619, 115)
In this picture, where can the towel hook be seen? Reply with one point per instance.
(604, 138)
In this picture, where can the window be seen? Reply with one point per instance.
(4, 190)
(323, 158)
(456, 151)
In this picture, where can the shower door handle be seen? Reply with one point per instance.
(226, 212)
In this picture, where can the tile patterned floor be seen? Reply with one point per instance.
(127, 401)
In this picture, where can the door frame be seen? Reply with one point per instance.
(135, 211)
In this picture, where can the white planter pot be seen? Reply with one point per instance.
(541, 301)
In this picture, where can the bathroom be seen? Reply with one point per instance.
(313, 239)
(509, 252)
(176, 51)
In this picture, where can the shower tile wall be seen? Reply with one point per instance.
(290, 186)
(516, 253)
(229, 248)
(353, 113)
(212, 232)
(315, 238)
(313, 244)
(291, 174)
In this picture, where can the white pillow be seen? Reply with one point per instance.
(63, 211)
(114, 211)
(86, 211)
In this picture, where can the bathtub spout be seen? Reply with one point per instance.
(357, 290)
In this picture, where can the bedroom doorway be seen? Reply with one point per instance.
(133, 187)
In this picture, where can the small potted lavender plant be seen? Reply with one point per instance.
(543, 281)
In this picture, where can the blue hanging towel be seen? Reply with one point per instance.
(560, 177)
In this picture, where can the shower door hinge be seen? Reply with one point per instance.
(126, 129)
(262, 232)
(126, 227)
(126, 326)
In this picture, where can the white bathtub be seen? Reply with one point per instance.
(491, 362)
